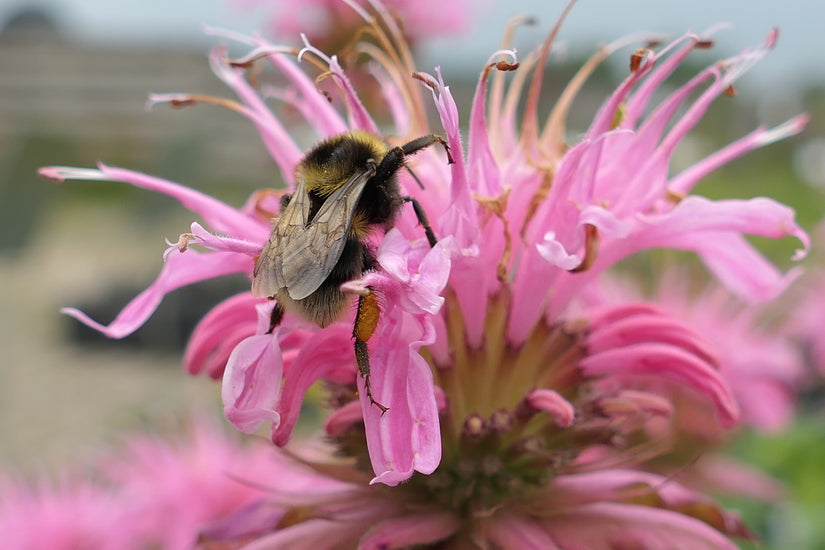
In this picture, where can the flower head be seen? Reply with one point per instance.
(516, 403)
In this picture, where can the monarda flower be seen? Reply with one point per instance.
(514, 417)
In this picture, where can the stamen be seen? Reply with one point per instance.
(637, 57)
(179, 101)
(530, 130)
(59, 174)
(259, 53)
(309, 48)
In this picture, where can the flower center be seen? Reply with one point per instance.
(497, 446)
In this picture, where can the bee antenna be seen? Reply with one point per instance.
(418, 181)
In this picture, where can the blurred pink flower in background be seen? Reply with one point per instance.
(806, 315)
(64, 515)
(524, 410)
(325, 21)
(153, 492)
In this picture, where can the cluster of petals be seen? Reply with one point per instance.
(757, 359)
(520, 214)
(153, 492)
(206, 490)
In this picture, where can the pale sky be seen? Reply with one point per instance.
(799, 54)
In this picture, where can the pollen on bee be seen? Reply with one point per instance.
(367, 317)
(360, 226)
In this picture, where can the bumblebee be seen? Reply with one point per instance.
(347, 185)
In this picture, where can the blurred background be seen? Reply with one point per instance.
(74, 78)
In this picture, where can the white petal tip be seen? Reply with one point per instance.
(60, 174)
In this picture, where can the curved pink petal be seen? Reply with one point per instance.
(328, 352)
(218, 243)
(666, 361)
(651, 328)
(179, 270)
(516, 531)
(311, 534)
(424, 528)
(552, 402)
(280, 144)
(758, 216)
(219, 216)
(606, 526)
(407, 437)
(252, 383)
(217, 334)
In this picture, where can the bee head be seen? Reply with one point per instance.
(328, 165)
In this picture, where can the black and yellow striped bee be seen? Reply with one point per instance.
(346, 185)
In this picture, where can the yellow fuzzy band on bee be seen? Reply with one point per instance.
(324, 178)
(360, 227)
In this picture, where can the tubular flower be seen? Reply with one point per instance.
(518, 403)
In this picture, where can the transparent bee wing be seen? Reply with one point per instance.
(300, 256)
(310, 256)
(268, 276)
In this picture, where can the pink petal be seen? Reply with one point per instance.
(331, 350)
(684, 182)
(423, 528)
(407, 437)
(343, 418)
(217, 215)
(552, 402)
(311, 534)
(482, 168)
(650, 328)
(662, 360)
(554, 252)
(277, 140)
(179, 270)
(252, 383)
(606, 526)
(217, 334)
(218, 243)
(758, 216)
(512, 531)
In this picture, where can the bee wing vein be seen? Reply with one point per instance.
(300, 255)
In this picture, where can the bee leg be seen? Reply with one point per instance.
(425, 141)
(394, 159)
(366, 319)
(275, 317)
(423, 220)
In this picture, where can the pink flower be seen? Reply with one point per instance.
(63, 515)
(508, 402)
(332, 22)
(171, 492)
